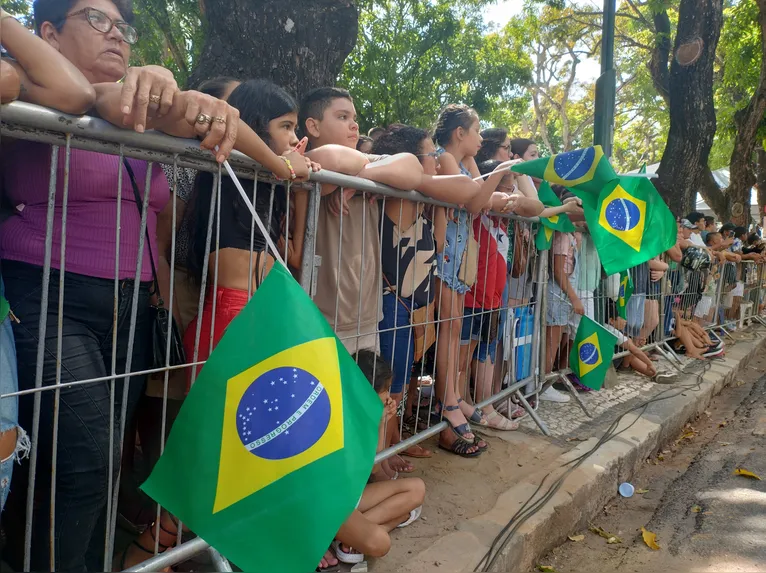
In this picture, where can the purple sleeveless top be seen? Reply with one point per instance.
(91, 210)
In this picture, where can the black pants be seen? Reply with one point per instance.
(84, 424)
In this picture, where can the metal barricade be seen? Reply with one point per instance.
(506, 327)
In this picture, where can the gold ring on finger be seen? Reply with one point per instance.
(155, 99)
(219, 119)
(204, 118)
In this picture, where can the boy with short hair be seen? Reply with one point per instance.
(348, 282)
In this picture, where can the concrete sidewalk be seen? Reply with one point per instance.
(468, 502)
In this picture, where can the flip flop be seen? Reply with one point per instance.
(349, 558)
(414, 516)
(506, 425)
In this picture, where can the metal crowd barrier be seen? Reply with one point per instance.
(518, 367)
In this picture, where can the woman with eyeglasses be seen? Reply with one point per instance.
(495, 145)
(95, 36)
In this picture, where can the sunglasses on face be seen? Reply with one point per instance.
(104, 24)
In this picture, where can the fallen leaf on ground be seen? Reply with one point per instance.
(746, 473)
(642, 491)
(546, 569)
(661, 457)
(724, 443)
(576, 538)
(608, 536)
(650, 539)
(696, 509)
(577, 439)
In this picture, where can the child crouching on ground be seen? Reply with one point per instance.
(637, 359)
(384, 505)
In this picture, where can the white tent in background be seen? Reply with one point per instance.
(721, 177)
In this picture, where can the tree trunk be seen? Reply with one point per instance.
(299, 45)
(760, 181)
(748, 120)
(692, 113)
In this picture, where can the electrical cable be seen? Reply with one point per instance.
(523, 514)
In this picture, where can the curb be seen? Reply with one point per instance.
(588, 488)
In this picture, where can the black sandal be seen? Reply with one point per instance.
(160, 547)
(460, 447)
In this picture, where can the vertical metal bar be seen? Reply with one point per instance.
(113, 366)
(309, 238)
(129, 353)
(41, 328)
(252, 240)
(203, 281)
(59, 344)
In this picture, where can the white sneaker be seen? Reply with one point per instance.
(550, 394)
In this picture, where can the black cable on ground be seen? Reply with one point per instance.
(502, 539)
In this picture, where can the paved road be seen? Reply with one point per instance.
(707, 519)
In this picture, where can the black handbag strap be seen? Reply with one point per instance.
(137, 196)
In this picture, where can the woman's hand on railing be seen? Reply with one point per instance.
(338, 201)
(147, 91)
(302, 165)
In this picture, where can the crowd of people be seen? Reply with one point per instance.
(408, 287)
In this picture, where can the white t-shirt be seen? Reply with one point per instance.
(696, 238)
(621, 338)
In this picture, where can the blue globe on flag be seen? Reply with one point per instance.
(282, 413)
(573, 165)
(589, 353)
(622, 214)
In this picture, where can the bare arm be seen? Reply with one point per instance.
(10, 83)
(562, 279)
(657, 265)
(180, 122)
(46, 77)
(479, 199)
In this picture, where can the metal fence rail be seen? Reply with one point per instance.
(496, 352)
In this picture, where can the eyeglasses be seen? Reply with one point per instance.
(434, 154)
(104, 24)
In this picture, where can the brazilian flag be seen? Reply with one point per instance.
(592, 353)
(275, 441)
(630, 224)
(543, 238)
(586, 170)
(624, 294)
(557, 222)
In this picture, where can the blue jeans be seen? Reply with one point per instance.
(9, 412)
(635, 313)
(476, 328)
(397, 341)
(449, 260)
(84, 424)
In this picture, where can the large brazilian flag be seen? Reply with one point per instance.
(630, 224)
(583, 171)
(549, 199)
(591, 353)
(275, 442)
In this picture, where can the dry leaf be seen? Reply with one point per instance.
(608, 536)
(650, 539)
(745, 473)
(642, 491)
(722, 424)
(661, 457)
(546, 569)
(576, 538)
(696, 509)
(724, 443)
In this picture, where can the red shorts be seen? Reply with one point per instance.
(228, 303)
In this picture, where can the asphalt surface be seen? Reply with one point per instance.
(706, 518)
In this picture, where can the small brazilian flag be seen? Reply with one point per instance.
(624, 294)
(630, 224)
(556, 222)
(275, 441)
(592, 353)
(543, 238)
(587, 170)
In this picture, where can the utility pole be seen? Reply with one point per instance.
(606, 85)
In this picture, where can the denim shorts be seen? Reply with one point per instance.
(635, 313)
(397, 340)
(448, 261)
(9, 406)
(475, 326)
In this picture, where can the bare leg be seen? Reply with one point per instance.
(552, 341)
(651, 319)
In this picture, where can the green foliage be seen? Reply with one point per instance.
(170, 33)
(737, 75)
(412, 57)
